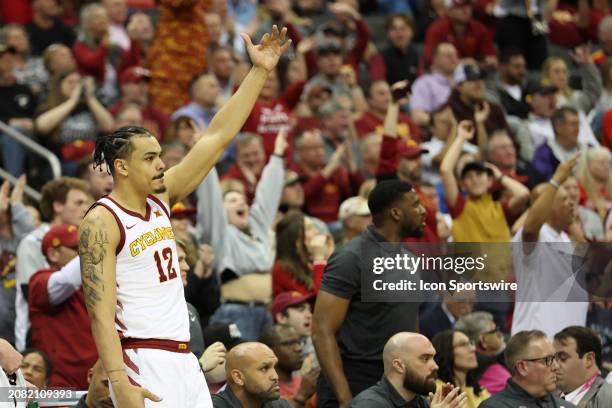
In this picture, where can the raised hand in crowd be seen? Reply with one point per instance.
(320, 247)
(206, 259)
(344, 10)
(582, 54)
(310, 373)
(18, 189)
(481, 112)
(280, 143)
(10, 359)
(334, 161)
(400, 91)
(213, 356)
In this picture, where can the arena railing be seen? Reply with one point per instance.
(36, 148)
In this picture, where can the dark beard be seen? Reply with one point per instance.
(408, 232)
(160, 190)
(418, 385)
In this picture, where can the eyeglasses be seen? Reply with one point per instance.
(292, 343)
(464, 343)
(548, 360)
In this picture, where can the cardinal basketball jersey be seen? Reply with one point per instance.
(150, 298)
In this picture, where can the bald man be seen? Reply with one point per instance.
(410, 375)
(252, 381)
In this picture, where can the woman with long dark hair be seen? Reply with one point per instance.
(301, 255)
(456, 360)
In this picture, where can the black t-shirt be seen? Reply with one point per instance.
(16, 101)
(368, 325)
(42, 38)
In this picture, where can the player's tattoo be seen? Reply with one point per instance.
(92, 249)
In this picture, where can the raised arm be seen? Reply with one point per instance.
(270, 187)
(540, 210)
(182, 179)
(519, 194)
(465, 132)
(104, 119)
(98, 239)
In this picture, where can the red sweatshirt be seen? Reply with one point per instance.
(370, 123)
(92, 62)
(283, 281)
(324, 196)
(267, 118)
(63, 332)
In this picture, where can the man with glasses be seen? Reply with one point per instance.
(480, 327)
(579, 377)
(532, 361)
(288, 346)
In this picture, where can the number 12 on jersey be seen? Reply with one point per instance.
(170, 272)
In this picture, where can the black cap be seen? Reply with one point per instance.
(228, 334)
(328, 46)
(334, 28)
(467, 72)
(542, 87)
(476, 166)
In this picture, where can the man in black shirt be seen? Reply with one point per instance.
(533, 363)
(46, 28)
(17, 106)
(410, 375)
(348, 333)
(252, 381)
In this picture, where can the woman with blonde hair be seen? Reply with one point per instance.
(556, 72)
(595, 177)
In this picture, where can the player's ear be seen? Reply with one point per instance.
(121, 166)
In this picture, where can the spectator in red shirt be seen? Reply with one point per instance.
(379, 97)
(95, 56)
(470, 37)
(272, 112)
(250, 161)
(140, 29)
(60, 324)
(328, 183)
(135, 89)
(301, 255)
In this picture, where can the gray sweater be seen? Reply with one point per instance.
(22, 225)
(234, 249)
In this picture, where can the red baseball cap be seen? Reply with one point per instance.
(409, 149)
(134, 74)
(287, 299)
(179, 210)
(61, 235)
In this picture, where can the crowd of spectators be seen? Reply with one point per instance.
(431, 123)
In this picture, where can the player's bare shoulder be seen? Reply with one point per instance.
(98, 223)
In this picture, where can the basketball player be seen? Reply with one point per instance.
(129, 264)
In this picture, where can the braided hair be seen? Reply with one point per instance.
(117, 145)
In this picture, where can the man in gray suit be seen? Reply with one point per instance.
(579, 378)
